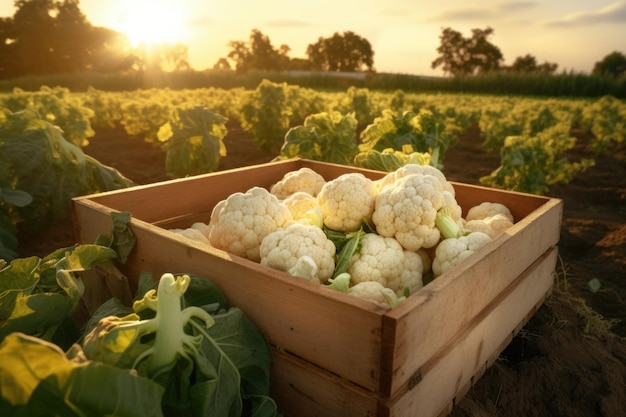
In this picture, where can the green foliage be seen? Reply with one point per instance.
(422, 132)
(389, 160)
(606, 119)
(40, 172)
(532, 164)
(326, 136)
(144, 115)
(38, 295)
(265, 113)
(510, 117)
(193, 139)
(59, 107)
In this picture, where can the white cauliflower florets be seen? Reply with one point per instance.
(376, 293)
(406, 210)
(453, 251)
(239, 224)
(488, 209)
(384, 260)
(303, 207)
(283, 248)
(347, 201)
(409, 169)
(304, 180)
(489, 218)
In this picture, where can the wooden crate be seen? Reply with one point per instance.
(334, 354)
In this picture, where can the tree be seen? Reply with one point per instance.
(528, 64)
(160, 57)
(467, 56)
(47, 37)
(258, 54)
(347, 52)
(614, 65)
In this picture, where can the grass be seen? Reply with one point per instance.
(595, 324)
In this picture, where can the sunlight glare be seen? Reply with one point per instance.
(152, 22)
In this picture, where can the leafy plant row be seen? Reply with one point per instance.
(43, 133)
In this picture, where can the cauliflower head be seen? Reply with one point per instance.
(453, 251)
(409, 169)
(241, 222)
(488, 209)
(406, 210)
(347, 201)
(489, 218)
(384, 260)
(304, 180)
(303, 207)
(376, 293)
(283, 248)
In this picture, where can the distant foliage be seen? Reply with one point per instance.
(533, 164)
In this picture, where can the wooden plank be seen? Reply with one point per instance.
(301, 389)
(415, 330)
(465, 355)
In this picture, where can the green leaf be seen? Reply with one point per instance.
(16, 197)
(42, 379)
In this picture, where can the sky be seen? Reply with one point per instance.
(404, 34)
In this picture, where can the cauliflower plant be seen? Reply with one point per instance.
(347, 201)
(406, 210)
(284, 248)
(304, 180)
(384, 260)
(241, 222)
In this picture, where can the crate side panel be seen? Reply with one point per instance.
(472, 350)
(301, 389)
(156, 202)
(457, 296)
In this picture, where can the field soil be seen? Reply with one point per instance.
(569, 359)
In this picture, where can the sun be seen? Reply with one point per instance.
(151, 22)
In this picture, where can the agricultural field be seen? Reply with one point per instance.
(570, 359)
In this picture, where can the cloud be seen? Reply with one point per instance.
(614, 13)
(502, 11)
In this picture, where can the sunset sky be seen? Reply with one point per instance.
(404, 33)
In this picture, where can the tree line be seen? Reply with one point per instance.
(47, 37)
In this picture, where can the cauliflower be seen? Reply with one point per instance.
(488, 209)
(239, 224)
(406, 210)
(304, 180)
(303, 207)
(408, 169)
(384, 260)
(453, 251)
(489, 218)
(284, 248)
(376, 293)
(347, 201)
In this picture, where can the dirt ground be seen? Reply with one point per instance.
(570, 358)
